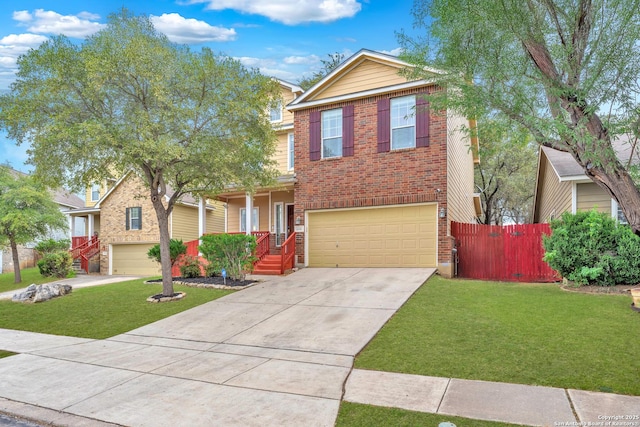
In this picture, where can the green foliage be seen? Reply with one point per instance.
(210, 270)
(127, 98)
(56, 264)
(593, 248)
(567, 71)
(51, 245)
(328, 65)
(190, 267)
(176, 248)
(233, 252)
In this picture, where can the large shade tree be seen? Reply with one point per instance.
(129, 99)
(567, 70)
(27, 213)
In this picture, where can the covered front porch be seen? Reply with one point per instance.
(84, 229)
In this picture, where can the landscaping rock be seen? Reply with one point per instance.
(40, 293)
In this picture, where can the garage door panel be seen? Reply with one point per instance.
(402, 236)
(133, 260)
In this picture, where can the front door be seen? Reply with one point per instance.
(289, 220)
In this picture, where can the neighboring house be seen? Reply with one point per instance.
(271, 208)
(375, 178)
(67, 202)
(127, 226)
(562, 186)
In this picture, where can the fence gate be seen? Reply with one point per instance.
(510, 253)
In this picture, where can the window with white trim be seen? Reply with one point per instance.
(291, 152)
(278, 216)
(403, 122)
(275, 112)
(95, 192)
(620, 215)
(133, 218)
(332, 133)
(254, 219)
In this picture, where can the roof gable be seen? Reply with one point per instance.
(362, 73)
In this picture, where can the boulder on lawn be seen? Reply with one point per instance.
(39, 293)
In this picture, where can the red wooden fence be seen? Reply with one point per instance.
(511, 253)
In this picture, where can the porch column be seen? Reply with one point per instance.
(202, 219)
(90, 225)
(249, 213)
(72, 225)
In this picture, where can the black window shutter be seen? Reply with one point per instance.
(126, 218)
(315, 143)
(384, 125)
(347, 130)
(422, 120)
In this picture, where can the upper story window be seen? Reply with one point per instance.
(332, 133)
(290, 152)
(134, 218)
(95, 192)
(403, 122)
(275, 112)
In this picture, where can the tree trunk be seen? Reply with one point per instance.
(165, 253)
(17, 276)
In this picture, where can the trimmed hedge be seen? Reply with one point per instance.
(593, 248)
(233, 252)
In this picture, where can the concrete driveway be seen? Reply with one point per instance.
(274, 354)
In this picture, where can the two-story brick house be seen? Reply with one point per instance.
(373, 177)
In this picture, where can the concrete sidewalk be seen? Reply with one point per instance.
(279, 353)
(80, 281)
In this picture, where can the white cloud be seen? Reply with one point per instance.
(188, 30)
(394, 52)
(11, 47)
(290, 12)
(302, 60)
(49, 22)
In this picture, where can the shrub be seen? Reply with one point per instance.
(176, 248)
(210, 270)
(50, 245)
(190, 267)
(56, 264)
(233, 252)
(593, 248)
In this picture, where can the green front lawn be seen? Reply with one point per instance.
(519, 333)
(5, 354)
(354, 414)
(100, 311)
(29, 276)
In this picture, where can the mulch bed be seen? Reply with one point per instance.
(215, 282)
(612, 290)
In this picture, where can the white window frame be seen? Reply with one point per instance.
(403, 116)
(290, 151)
(278, 229)
(255, 220)
(138, 210)
(95, 188)
(277, 109)
(616, 213)
(331, 130)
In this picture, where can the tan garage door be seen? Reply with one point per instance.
(132, 259)
(399, 236)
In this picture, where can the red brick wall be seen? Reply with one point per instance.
(369, 178)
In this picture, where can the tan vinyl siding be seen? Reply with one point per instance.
(460, 173)
(233, 212)
(287, 97)
(366, 75)
(554, 196)
(215, 218)
(281, 154)
(184, 223)
(590, 196)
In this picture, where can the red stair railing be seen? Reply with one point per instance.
(288, 252)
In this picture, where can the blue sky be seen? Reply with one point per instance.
(283, 38)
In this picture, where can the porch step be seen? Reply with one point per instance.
(269, 265)
(77, 268)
